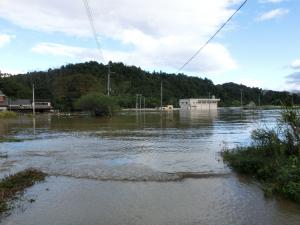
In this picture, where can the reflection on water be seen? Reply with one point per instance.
(193, 116)
(139, 146)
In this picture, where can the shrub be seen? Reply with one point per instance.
(99, 105)
(273, 157)
(7, 115)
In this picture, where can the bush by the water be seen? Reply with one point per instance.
(273, 157)
(7, 115)
(99, 105)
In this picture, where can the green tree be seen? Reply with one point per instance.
(97, 104)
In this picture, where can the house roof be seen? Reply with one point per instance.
(20, 102)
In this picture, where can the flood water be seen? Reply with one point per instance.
(139, 168)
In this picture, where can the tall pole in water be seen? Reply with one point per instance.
(108, 79)
(241, 98)
(140, 101)
(161, 95)
(33, 101)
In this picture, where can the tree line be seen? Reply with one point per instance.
(65, 85)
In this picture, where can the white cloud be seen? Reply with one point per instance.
(65, 51)
(276, 13)
(215, 56)
(162, 34)
(11, 71)
(292, 82)
(5, 39)
(251, 82)
(295, 64)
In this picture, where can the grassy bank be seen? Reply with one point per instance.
(274, 157)
(7, 115)
(17, 183)
(9, 139)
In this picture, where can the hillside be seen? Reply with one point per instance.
(63, 86)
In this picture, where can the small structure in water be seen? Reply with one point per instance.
(166, 108)
(199, 103)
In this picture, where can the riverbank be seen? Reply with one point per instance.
(278, 174)
(7, 115)
(17, 183)
(274, 156)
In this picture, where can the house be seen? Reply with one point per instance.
(26, 105)
(3, 101)
(199, 103)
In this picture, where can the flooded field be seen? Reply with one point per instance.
(139, 168)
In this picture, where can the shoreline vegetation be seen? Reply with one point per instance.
(9, 139)
(274, 156)
(13, 185)
(8, 115)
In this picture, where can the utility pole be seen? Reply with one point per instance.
(136, 101)
(144, 103)
(241, 98)
(108, 79)
(33, 101)
(140, 101)
(161, 95)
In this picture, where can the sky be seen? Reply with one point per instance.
(258, 48)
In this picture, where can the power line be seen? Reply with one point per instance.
(212, 37)
(91, 19)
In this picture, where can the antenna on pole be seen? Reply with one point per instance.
(33, 100)
(161, 95)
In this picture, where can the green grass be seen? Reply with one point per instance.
(17, 183)
(7, 115)
(9, 139)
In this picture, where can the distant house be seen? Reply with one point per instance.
(3, 101)
(26, 105)
(199, 103)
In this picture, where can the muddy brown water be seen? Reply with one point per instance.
(139, 168)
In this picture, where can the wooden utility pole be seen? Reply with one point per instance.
(161, 95)
(33, 101)
(241, 98)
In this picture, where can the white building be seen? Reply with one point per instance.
(199, 103)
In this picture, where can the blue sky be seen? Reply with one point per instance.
(258, 48)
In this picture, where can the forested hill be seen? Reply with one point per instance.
(65, 85)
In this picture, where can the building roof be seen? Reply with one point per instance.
(200, 99)
(20, 102)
